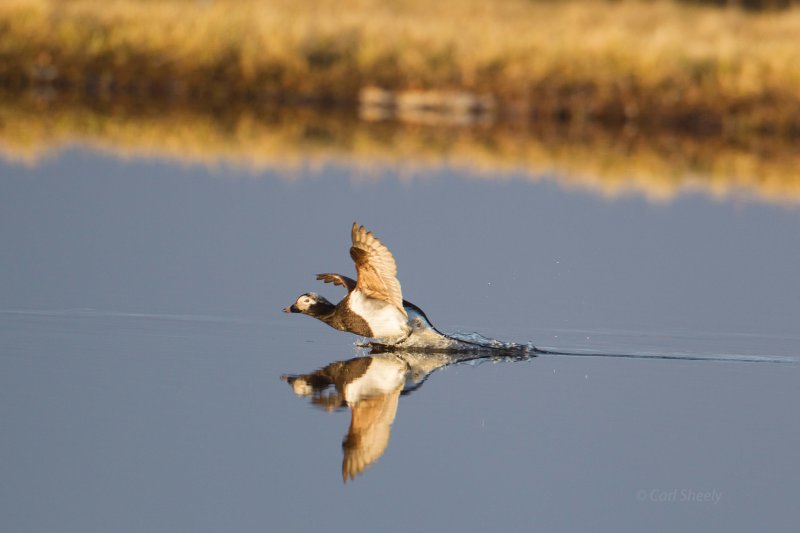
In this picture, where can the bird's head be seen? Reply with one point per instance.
(311, 304)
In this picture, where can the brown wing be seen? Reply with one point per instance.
(377, 271)
(338, 279)
(370, 428)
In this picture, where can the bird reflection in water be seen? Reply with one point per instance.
(371, 387)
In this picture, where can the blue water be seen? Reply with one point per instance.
(142, 346)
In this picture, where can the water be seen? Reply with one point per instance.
(142, 346)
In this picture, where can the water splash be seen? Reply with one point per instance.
(474, 348)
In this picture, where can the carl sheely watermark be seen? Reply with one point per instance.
(678, 495)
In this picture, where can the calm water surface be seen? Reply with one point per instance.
(142, 348)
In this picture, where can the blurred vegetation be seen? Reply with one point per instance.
(613, 162)
(646, 97)
(754, 5)
(663, 64)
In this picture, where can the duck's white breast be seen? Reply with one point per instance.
(382, 377)
(384, 319)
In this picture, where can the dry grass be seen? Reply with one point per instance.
(195, 81)
(654, 63)
(611, 163)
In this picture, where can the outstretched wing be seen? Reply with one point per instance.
(377, 271)
(338, 279)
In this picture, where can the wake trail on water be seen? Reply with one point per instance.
(475, 348)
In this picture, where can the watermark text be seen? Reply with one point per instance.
(679, 495)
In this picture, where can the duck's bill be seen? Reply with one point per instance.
(291, 309)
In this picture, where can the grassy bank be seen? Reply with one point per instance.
(606, 161)
(657, 63)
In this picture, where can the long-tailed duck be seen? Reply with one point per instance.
(374, 305)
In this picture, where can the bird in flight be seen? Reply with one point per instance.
(374, 305)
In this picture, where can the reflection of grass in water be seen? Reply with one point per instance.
(612, 163)
(648, 62)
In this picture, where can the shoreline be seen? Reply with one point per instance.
(656, 65)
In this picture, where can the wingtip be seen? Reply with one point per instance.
(360, 232)
(327, 278)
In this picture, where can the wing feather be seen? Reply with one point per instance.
(338, 279)
(376, 268)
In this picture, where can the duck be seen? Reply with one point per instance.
(374, 306)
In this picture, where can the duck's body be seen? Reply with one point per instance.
(357, 314)
(374, 305)
(382, 320)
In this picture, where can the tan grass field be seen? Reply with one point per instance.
(628, 97)
(657, 63)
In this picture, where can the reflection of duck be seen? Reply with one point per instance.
(370, 387)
